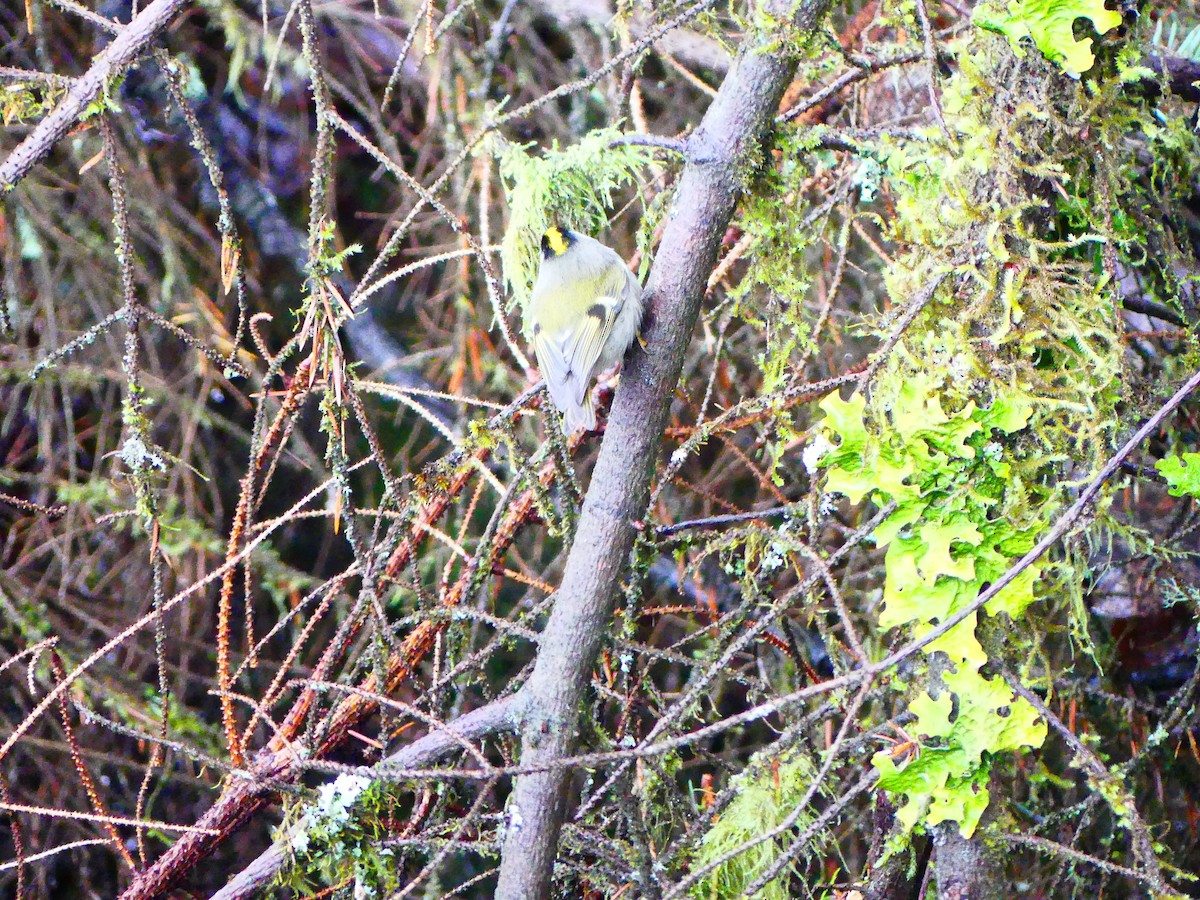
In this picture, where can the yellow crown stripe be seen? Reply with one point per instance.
(556, 240)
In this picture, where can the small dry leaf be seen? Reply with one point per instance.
(230, 257)
(91, 162)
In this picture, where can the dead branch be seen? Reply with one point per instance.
(125, 49)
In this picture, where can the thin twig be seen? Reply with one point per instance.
(1143, 843)
(732, 518)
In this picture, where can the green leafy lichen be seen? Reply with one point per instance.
(1182, 473)
(573, 187)
(1001, 397)
(952, 532)
(1051, 26)
(945, 780)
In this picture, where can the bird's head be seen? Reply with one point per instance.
(556, 241)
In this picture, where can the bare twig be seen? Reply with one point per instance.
(126, 47)
(730, 519)
(931, 57)
(675, 145)
(1143, 842)
(918, 303)
(861, 72)
(50, 512)
(1055, 849)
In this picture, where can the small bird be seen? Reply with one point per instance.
(584, 313)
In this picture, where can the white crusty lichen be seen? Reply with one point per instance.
(331, 813)
(814, 450)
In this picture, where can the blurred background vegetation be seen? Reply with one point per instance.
(259, 451)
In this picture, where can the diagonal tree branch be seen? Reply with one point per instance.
(127, 46)
(720, 153)
(483, 722)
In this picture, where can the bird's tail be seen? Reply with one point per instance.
(581, 416)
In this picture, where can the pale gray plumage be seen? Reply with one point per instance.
(584, 313)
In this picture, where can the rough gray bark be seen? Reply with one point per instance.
(965, 868)
(720, 153)
(896, 878)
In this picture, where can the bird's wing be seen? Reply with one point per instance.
(587, 342)
(568, 388)
(568, 356)
(555, 368)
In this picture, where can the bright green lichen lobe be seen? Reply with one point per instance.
(1182, 474)
(1008, 389)
(957, 525)
(946, 780)
(1051, 26)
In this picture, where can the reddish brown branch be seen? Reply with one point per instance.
(278, 762)
(85, 775)
(245, 509)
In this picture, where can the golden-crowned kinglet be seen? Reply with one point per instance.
(584, 313)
